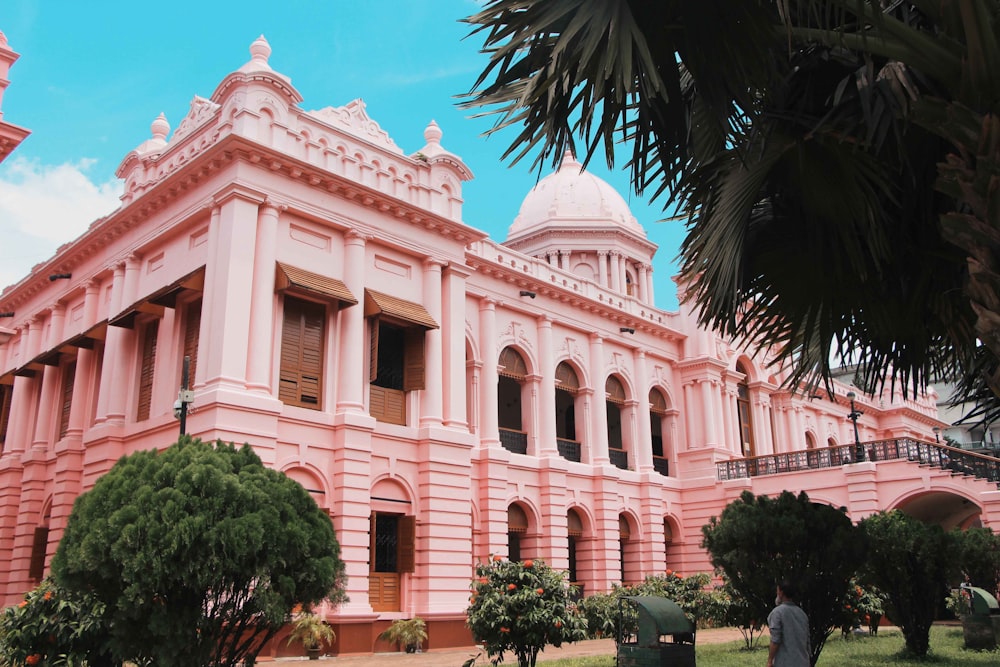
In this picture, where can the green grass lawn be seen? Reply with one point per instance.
(946, 651)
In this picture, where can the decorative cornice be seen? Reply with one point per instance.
(648, 320)
(228, 150)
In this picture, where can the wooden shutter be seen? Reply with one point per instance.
(6, 393)
(69, 376)
(192, 333)
(146, 368)
(40, 544)
(413, 359)
(387, 405)
(303, 331)
(373, 350)
(407, 544)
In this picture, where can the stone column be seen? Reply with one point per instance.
(799, 438)
(708, 413)
(547, 390)
(229, 278)
(650, 298)
(642, 283)
(430, 406)
(85, 382)
(643, 450)
(599, 442)
(695, 438)
(260, 348)
(730, 427)
(616, 271)
(489, 433)
(769, 423)
(352, 377)
(113, 341)
(22, 406)
(124, 349)
(602, 268)
(453, 331)
(47, 408)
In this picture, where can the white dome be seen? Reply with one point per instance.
(571, 197)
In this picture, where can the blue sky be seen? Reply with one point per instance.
(93, 75)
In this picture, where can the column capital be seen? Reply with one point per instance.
(354, 237)
(272, 204)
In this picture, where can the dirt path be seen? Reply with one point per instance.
(456, 656)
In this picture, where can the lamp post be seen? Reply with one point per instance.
(859, 452)
(937, 434)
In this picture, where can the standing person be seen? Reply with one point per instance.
(788, 626)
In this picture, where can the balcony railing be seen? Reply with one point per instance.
(568, 449)
(619, 458)
(514, 441)
(661, 466)
(926, 453)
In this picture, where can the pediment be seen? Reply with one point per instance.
(202, 109)
(354, 119)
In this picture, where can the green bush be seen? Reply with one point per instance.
(864, 606)
(758, 541)
(736, 613)
(197, 554)
(522, 608)
(53, 626)
(979, 557)
(912, 563)
(601, 612)
(703, 606)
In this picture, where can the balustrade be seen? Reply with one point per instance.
(927, 453)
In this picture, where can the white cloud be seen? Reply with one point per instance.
(44, 206)
(54, 202)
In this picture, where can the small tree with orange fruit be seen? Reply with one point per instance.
(522, 607)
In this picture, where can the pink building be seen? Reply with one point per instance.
(10, 135)
(443, 396)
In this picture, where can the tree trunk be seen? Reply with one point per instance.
(973, 179)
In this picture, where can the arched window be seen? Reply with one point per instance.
(40, 546)
(392, 545)
(668, 544)
(574, 532)
(744, 414)
(628, 551)
(614, 402)
(657, 426)
(812, 457)
(510, 390)
(629, 287)
(517, 527)
(567, 389)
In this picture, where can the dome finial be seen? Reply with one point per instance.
(568, 158)
(260, 51)
(160, 127)
(432, 133)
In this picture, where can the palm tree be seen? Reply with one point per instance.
(835, 161)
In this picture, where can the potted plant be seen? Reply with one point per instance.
(408, 633)
(313, 632)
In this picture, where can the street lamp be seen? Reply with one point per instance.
(937, 434)
(859, 452)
